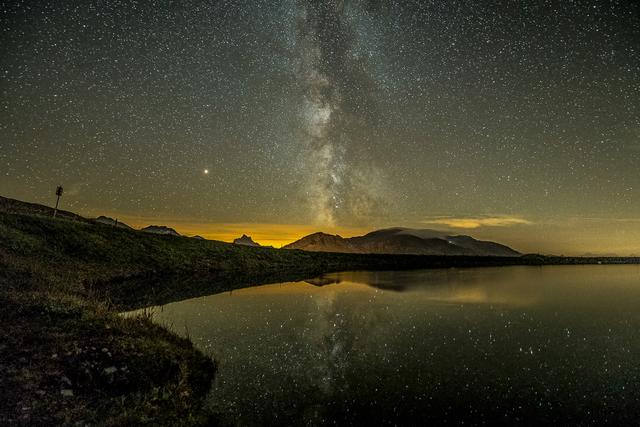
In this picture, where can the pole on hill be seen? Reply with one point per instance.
(59, 191)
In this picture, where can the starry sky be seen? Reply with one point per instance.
(517, 121)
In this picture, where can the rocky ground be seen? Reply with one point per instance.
(66, 361)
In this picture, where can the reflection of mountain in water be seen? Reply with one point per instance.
(450, 285)
(404, 280)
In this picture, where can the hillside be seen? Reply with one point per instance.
(132, 268)
(112, 222)
(8, 205)
(67, 353)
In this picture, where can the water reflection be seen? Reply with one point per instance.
(499, 345)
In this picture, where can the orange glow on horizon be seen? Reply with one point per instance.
(276, 235)
(573, 236)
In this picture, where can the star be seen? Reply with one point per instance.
(330, 113)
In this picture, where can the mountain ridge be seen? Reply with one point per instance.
(160, 229)
(246, 241)
(401, 240)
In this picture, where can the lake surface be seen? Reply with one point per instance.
(507, 345)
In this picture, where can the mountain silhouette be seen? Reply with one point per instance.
(400, 240)
(246, 241)
(160, 229)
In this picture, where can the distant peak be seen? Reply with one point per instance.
(160, 229)
(246, 241)
(402, 240)
(322, 233)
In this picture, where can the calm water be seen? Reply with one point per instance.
(499, 345)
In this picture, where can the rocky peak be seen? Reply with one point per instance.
(245, 240)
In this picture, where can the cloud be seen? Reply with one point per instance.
(477, 222)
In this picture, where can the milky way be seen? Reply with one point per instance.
(521, 117)
(338, 93)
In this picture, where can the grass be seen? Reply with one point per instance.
(68, 362)
(67, 357)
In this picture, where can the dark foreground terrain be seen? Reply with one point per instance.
(67, 357)
(66, 361)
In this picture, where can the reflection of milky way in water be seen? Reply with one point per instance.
(495, 344)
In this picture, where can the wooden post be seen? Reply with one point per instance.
(59, 191)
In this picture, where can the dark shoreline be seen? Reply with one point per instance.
(131, 293)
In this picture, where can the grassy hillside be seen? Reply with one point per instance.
(66, 361)
(132, 269)
(25, 208)
(67, 357)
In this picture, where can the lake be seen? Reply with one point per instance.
(523, 345)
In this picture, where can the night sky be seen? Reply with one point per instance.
(517, 121)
